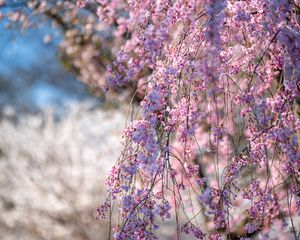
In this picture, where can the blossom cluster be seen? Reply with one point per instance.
(219, 118)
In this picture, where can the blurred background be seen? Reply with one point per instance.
(57, 141)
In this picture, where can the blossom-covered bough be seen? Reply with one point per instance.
(214, 142)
